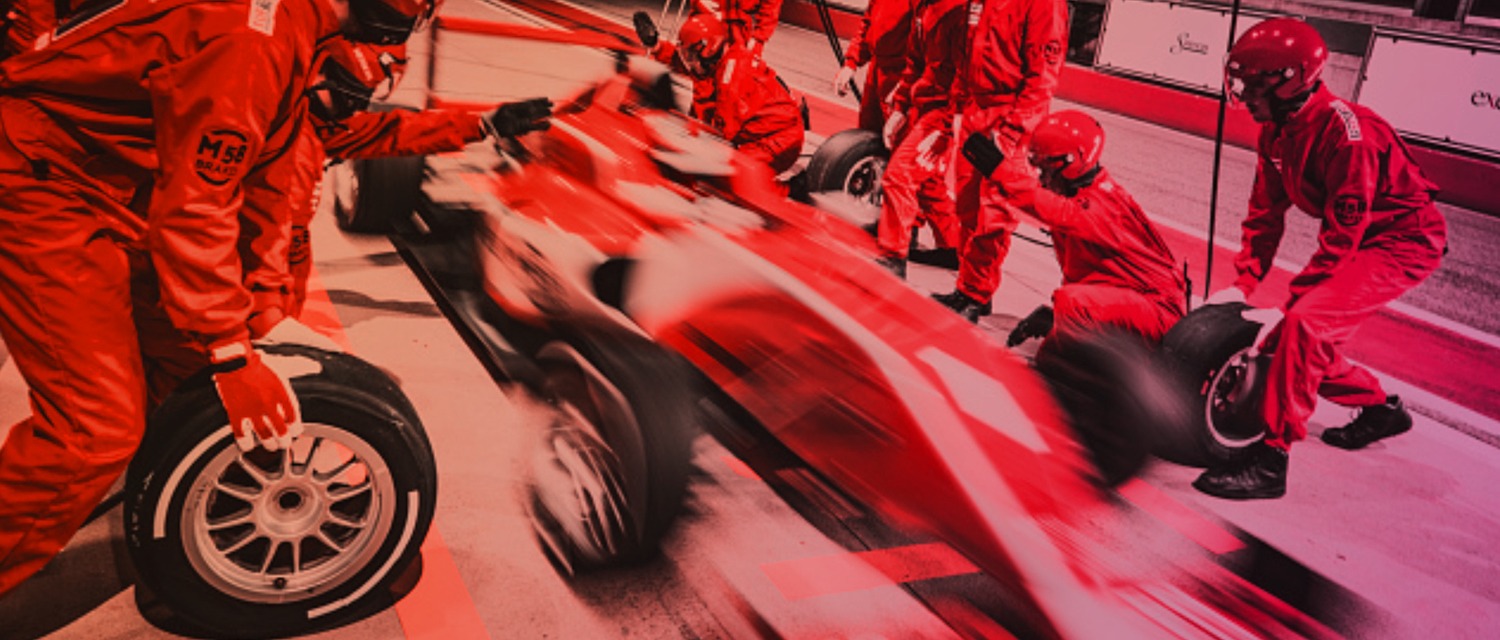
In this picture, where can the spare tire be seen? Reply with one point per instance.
(1207, 351)
(851, 161)
(263, 544)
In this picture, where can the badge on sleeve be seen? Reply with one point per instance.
(220, 154)
(1349, 210)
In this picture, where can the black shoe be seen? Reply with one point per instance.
(963, 305)
(940, 257)
(893, 264)
(1373, 423)
(1260, 474)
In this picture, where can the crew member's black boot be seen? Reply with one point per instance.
(963, 305)
(1373, 423)
(1260, 473)
(942, 258)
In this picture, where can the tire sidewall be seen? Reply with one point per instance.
(201, 433)
(1197, 349)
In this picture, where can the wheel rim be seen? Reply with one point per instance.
(863, 180)
(1233, 411)
(276, 527)
(579, 489)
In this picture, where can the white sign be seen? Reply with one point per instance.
(1445, 91)
(1180, 44)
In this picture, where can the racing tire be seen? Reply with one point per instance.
(1207, 351)
(264, 544)
(851, 161)
(1117, 396)
(376, 195)
(609, 476)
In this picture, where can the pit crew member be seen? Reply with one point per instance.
(913, 180)
(124, 167)
(1006, 82)
(1117, 271)
(881, 43)
(1380, 236)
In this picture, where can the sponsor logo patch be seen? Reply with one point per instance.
(263, 15)
(1349, 210)
(1351, 121)
(1052, 52)
(220, 154)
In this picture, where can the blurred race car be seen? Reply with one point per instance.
(646, 278)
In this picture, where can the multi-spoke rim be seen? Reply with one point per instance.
(863, 181)
(279, 526)
(1229, 411)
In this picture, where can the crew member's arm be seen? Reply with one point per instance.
(1044, 41)
(1263, 227)
(402, 133)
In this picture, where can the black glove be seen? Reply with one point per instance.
(1036, 325)
(517, 118)
(645, 29)
(981, 152)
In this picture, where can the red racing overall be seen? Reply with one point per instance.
(914, 187)
(1380, 236)
(126, 151)
(880, 42)
(753, 110)
(1006, 83)
(1116, 269)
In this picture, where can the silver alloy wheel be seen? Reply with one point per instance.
(864, 180)
(344, 183)
(1230, 410)
(275, 527)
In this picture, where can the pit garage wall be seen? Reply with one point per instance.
(1132, 77)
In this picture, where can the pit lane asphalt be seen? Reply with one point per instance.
(1409, 524)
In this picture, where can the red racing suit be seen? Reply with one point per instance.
(127, 150)
(1006, 84)
(912, 190)
(753, 109)
(1380, 236)
(881, 42)
(1116, 269)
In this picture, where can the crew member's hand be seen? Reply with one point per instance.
(290, 331)
(893, 126)
(843, 82)
(645, 29)
(519, 118)
(1035, 325)
(258, 400)
(932, 152)
(1226, 296)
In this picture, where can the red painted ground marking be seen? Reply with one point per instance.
(846, 572)
(439, 607)
(1186, 521)
(739, 468)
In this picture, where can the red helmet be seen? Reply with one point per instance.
(388, 21)
(1066, 143)
(352, 74)
(701, 39)
(1280, 58)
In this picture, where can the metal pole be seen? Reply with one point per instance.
(1213, 196)
(833, 39)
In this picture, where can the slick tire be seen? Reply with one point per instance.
(269, 544)
(1206, 352)
(1117, 397)
(852, 161)
(626, 412)
(376, 195)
